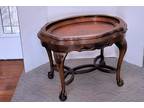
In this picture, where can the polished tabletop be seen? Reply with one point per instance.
(83, 27)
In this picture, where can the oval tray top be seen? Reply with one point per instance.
(83, 27)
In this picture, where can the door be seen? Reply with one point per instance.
(10, 42)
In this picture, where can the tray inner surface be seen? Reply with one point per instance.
(82, 29)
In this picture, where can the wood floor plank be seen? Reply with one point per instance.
(10, 72)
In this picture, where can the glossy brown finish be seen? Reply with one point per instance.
(51, 73)
(82, 33)
(82, 42)
(122, 45)
(10, 72)
(59, 59)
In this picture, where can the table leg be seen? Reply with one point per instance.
(122, 45)
(59, 59)
(49, 52)
(51, 73)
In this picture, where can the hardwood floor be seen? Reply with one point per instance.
(10, 72)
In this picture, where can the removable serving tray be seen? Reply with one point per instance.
(83, 27)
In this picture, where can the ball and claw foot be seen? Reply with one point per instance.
(50, 75)
(120, 82)
(62, 96)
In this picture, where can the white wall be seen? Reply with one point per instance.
(33, 18)
(135, 35)
(134, 16)
(10, 47)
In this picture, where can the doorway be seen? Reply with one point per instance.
(11, 59)
(10, 42)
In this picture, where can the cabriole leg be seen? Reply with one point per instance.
(51, 73)
(59, 59)
(122, 45)
(49, 52)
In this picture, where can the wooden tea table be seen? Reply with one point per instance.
(83, 33)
